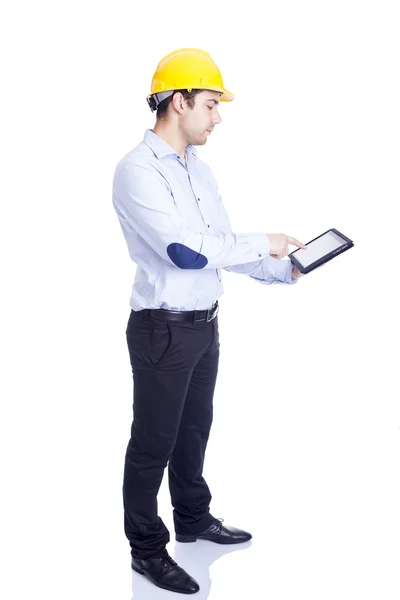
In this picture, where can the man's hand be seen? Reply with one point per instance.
(280, 244)
(296, 274)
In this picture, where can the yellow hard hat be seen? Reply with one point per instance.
(186, 69)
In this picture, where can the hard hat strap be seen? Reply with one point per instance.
(156, 99)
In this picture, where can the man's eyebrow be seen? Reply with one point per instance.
(212, 100)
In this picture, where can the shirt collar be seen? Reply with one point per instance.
(161, 148)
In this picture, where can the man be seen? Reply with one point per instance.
(179, 235)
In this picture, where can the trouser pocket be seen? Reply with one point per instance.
(159, 343)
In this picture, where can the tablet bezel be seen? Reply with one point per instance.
(348, 243)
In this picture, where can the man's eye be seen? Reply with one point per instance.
(210, 107)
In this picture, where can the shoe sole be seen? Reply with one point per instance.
(162, 586)
(186, 539)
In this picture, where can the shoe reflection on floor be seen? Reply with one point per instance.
(196, 559)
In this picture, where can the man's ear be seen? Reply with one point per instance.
(179, 102)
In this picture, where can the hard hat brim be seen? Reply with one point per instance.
(226, 96)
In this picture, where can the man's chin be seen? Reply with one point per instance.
(200, 141)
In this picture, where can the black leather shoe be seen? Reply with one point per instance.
(166, 573)
(221, 534)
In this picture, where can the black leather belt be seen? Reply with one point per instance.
(196, 316)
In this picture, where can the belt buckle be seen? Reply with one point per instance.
(210, 312)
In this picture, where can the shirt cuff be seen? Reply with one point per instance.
(284, 272)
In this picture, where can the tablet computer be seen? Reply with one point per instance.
(320, 250)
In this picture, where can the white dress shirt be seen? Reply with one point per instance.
(178, 232)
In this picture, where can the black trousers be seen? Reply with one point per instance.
(174, 367)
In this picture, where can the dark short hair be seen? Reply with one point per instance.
(189, 97)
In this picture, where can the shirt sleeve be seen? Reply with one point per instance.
(268, 270)
(143, 202)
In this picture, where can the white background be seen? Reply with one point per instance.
(304, 449)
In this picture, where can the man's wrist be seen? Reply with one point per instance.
(296, 274)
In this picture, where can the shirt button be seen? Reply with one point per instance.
(208, 226)
(259, 255)
(198, 199)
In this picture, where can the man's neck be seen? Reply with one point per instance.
(172, 138)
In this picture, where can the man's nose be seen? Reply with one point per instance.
(217, 118)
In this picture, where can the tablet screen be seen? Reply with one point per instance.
(319, 248)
